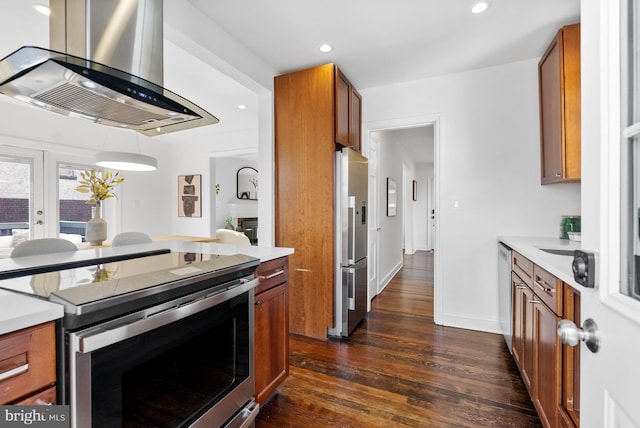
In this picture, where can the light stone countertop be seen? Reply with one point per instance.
(557, 265)
(18, 311)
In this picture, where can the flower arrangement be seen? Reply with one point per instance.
(100, 184)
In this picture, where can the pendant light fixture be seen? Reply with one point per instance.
(126, 161)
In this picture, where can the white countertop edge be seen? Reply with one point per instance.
(20, 311)
(557, 265)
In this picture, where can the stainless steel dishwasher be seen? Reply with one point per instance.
(504, 292)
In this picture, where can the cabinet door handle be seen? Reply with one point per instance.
(558, 174)
(272, 275)
(14, 372)
(258, 302)
(546, 289)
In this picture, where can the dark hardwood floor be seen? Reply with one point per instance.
(400, 369)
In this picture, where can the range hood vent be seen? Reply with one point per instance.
(75, 86)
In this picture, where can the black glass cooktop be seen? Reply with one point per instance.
(82, 285)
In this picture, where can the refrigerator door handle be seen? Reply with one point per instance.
(352, 230)
(351, 287)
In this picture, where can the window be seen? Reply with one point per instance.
(73, 210)
(630, 148)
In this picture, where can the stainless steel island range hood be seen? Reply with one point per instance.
(105, 65)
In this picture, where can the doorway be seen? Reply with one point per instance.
(420, 197)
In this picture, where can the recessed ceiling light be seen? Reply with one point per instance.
(242, 106)
(42, 9)
(480, 7)
(326, 48)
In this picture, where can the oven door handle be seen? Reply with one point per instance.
(93, 339)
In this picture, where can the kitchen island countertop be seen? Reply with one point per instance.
(18, 311)
(557, 265)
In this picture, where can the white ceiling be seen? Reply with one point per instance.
(376, 42)
(380, 42)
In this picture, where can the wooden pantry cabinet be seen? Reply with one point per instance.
(550, 374)
(271, 327)
(559, 90)
(28, 366)
(316, 110)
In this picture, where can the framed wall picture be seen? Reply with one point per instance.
(415, 190)
(190, 195)
(392, 197)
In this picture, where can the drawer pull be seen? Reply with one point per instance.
(14, 372)
(272, 275)
(545, 289)
(534, 301)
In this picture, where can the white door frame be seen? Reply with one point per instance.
(412, 122)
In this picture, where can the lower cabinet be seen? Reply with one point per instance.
(547, 353)
(523, 328)
(550, 370)
(271, 327)
(28, 366)
(569, 409)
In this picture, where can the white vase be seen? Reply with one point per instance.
(96, 231)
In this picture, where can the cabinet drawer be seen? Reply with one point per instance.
(27, 362)
(272, 273)
(548, 288)
(44, 398)
(523, 267)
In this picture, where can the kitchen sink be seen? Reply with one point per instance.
(558, 251)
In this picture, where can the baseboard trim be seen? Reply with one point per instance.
(389, 276)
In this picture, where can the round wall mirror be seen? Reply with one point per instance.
(247, 183)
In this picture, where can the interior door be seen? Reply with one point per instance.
(610, 182)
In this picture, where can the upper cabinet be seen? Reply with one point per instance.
(559, 86)
(348, 111)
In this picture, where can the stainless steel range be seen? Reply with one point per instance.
(164, 340)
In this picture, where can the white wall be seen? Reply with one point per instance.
(487, 159)
(391, 159)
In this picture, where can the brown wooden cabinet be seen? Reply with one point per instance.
(28, 366)
(348, 113)
(547, 354)
(559, 90)
(271, 327)
(311, 112)
(522, 328)
(569, 409)
(550, 374)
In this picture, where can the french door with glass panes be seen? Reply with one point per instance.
(38, 197)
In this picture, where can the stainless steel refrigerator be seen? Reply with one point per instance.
(351, 241)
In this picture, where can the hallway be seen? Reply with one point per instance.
(399, 369)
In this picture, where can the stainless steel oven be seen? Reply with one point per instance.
(186, 362)
(164, 340)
